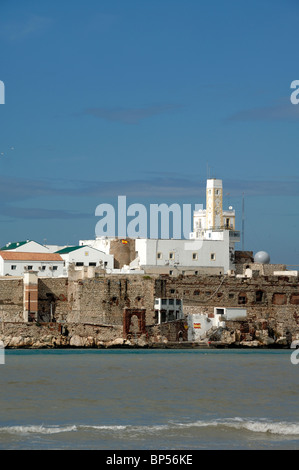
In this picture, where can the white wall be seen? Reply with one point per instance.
(31, 247)
(101, 244)
(5, 268)
(87, 255)
(199, 324)
(183, 250)
(232, 313)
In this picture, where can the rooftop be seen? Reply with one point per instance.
(21, 256)
(69, 249)
(13, 245)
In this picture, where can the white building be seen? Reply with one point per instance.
(176, 257)
(81, 256)
(210, 248)
(16, 263)
(102, 244)
(168, 310)
(199, 324)
(27, 246)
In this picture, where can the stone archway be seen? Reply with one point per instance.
(133, 322)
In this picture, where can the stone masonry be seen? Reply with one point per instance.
(90, 312)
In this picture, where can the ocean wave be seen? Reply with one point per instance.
(37, 429)
(281, 428)
(256, 426)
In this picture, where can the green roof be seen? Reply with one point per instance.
(68, 249)
(12, 246)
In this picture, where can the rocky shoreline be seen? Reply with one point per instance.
(79, 342)
(74, 336)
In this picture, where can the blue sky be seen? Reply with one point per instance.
(145, 99)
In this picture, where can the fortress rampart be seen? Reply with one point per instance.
(91, 312)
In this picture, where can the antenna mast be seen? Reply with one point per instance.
(243, 221)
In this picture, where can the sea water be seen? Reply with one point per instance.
(149, 399)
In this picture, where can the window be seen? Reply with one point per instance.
(55, 268)
(164, 302)
(259, 296)
(172, 291)
(159, 255)
(13, 267)
(231, 296)
(43, 268)
(196, 292)
(171, 273)
(29, 268)
(294, 299)
(178, 301)
(105, 264)
(242, 299)
(79, 263)
(92, 264)
(220, 311)
(213, 256)
(279, 299)
(196, 272)
(194, 256)
(171, 301)
(171, 255)
(170, 315)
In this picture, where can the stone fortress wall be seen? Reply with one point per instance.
(92, 311)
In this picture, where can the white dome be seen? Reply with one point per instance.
(262, 257)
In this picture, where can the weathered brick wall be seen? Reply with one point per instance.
(173, 331)
(272, 302)
(11, 300)
(53, 299)
(271, 298)
(102, 300)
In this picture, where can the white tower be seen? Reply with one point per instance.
(214, 212)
